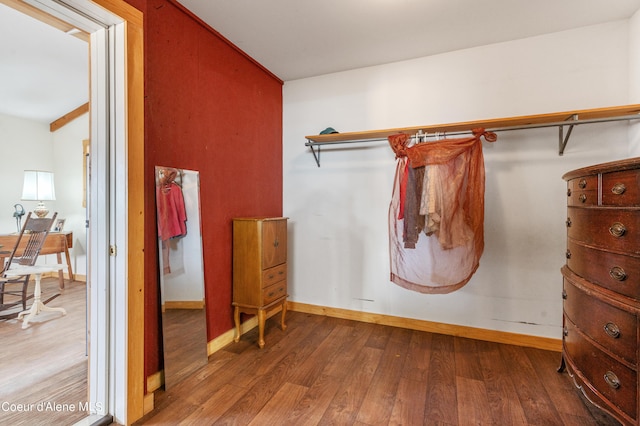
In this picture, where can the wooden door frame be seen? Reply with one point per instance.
(134, 44)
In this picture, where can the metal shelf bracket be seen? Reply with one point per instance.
(562, 140)
(316, 156)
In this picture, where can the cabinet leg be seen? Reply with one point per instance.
(284, 313)
(262, 315)
(236, 320)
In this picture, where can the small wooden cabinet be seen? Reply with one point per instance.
(601, 289)
(259, 269)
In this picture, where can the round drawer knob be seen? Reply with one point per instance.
(583, 198)
(569, 192)
(565, 332)
(564, 294)
(617, 273)
(568, 254)
(612, 330)
(583, 183)
(617, 230)
(612, 380)
(618, 188)
(568, 222)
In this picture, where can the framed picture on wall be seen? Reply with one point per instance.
(59, 226)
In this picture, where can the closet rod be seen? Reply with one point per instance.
(562, 142)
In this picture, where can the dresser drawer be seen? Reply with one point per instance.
(621, 188)
(582, 191)
(615, 272)
(273, 275)
(615, 381)
(612, 327)
(583, 183)
(582, 198)
(613, 228)
(274, 292)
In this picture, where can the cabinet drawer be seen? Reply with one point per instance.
(612, 327)
(615, 381)
(582, 198)
(583, 183)
(613, 271)
(273, 275)
(274, 292)
(583, 191)
(613, 228)
(621, 188)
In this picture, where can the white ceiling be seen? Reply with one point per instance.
(302, 38)
(44, 72)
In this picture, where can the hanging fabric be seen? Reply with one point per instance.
(172, 215)
(436, 215)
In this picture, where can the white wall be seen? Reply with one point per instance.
(24, 146)
(68, 158)
(338, 213)
(634, 80)
(29, 144)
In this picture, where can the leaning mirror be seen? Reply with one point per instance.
(181, 272)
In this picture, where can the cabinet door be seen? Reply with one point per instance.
(274, 243)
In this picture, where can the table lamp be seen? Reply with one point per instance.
(38, 186)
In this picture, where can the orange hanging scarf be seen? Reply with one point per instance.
(436, 246)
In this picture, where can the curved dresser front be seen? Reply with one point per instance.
(601, 285)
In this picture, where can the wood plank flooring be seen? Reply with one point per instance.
(45, 363)
(328, 371)
(320, 371)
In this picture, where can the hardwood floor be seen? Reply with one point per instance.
(325, 371)
(45, 364)
(320, 371)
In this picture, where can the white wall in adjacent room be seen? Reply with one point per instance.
(68, 157)
(24, 145)
(29, 145)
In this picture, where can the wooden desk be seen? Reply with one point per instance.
(56, 243)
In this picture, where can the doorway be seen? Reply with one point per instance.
(53, 347)
(116, 147)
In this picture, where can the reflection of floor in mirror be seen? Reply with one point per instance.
(185, 343)
(45, 363)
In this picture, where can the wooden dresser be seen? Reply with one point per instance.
(259, 269)
(601, 289)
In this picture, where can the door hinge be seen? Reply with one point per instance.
(112, 250)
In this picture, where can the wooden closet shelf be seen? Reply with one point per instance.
(568, 118)
(556, 119)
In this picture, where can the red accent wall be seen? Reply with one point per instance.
(209, 108)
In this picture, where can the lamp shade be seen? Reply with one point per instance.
(38, 186)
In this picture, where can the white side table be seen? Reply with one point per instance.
(37, 306)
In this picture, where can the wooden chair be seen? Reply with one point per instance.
(24, 253)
